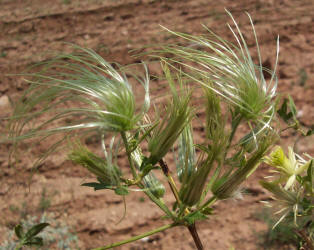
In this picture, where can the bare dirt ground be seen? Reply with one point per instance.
(30, 28)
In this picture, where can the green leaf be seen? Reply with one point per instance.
(19, 231)
(283, 111)
(36, 241)
(292, 107)
(139, 140)
(279, 192)
(236, 160)
(195, 216)
(146, 168)
(34, 230)
(309, 132)
(208, 210)
(96, 185)
(122, 190)
(310, 176)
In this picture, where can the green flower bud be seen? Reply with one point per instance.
(192, 187)
(227, 187)
(178, 115)
(154, 185)
(191, 191)
(109, 174)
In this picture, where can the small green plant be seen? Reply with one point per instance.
(52, 234)
(302, 77)
(234, 94)
(45, 200)
(278, 237)
(3, 53)
(30, 237)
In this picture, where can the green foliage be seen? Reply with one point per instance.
(284, 113)
(288, 113)
(191, 218)
(293, 191)
(84, 95)
(303, 77)
(29, 237)
(56, 235)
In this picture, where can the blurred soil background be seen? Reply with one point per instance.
(31, 28)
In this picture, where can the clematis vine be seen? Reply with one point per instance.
(289, 167)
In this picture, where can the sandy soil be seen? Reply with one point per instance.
(30, 28)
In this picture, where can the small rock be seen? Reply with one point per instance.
(4, 102)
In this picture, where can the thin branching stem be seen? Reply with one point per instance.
(192, 228)
(209, 202)
(127, 148)
(233, 131)
(135, 238)
(196, 238)
(171, 182)
(157, 201)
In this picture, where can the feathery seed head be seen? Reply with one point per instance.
(101, 98)
(231, 72)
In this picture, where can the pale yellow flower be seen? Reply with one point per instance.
(289, 167)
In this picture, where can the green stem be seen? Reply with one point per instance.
(171, 182)
(234, 129)
(196, 238)
(157, 230)
(209, 202)
(158, 202)
(127, 148)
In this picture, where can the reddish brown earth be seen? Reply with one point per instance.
(30, 28)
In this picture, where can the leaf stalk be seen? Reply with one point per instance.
(135, 238)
